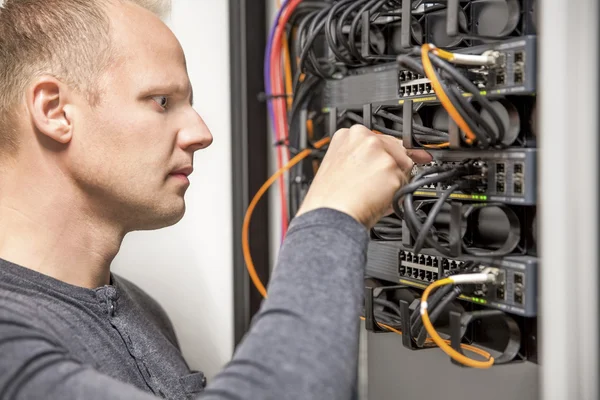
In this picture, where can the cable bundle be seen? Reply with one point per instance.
(451, 87)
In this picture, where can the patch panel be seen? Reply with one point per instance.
(515, 291)
(511, 176)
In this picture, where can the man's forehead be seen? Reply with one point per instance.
(136, 31)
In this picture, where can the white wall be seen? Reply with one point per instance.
(188, 268)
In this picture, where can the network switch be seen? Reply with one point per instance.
(510, 177)
(515, 292)
(388, 84)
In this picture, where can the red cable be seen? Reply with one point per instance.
(275, 66)
(279, 103)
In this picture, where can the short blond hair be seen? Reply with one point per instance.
(69, 39)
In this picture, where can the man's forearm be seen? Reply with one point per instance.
(303, 342)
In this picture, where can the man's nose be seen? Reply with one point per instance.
(196, 135)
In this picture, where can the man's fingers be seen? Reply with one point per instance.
(394, 148)
(419, 156)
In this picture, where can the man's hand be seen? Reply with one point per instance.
(360, 174)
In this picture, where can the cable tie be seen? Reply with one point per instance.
(263, 97)
(282, 142)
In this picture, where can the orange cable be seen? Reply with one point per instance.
(442, 344)
(442, 96)
(263, 189)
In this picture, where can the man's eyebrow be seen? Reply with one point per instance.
(170, 88)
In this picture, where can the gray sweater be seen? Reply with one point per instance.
(58, 341)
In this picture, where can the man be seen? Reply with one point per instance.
(97, 137)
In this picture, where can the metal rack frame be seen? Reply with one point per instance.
(568, 212)
(248, 25)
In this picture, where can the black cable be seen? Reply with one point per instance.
(316, 26)
(355, 23)
(436, 312)
(433, 300)
(358, 119)
(390, 221)
(339, 29)
(396, 201)
(408, 214)
(416, 127)
(410, 63)
(329, 29)
(467, 267)
(300, 34)
(307, 48)
(413, 224)
(433, 213)
(386, 303)
(465, 109)
(392, 132)
(469, 87)
(485, 135)
(457, 102)
(301, 101)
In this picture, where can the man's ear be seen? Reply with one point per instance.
(47, 101)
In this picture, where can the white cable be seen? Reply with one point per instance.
(473, 278)
(470, 59)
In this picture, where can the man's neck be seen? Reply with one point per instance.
(49, 232)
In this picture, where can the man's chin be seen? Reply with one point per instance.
(163, 218)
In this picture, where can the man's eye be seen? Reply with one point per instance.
(162, 101)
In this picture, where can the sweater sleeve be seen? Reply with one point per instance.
(303, 343)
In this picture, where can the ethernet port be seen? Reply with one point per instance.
(518, 76)
(409, 271)
(518, 168)
(402, 91)
(422, 260)
(519, 56)
(500, 293)
(415, 273)
(518, 278)
(422, 88)
(435, 263)
(500, 79)
(428, 276)
(421, 274)
(518, 297)
(428, 261)
(401, 270)
(434, 277)
(500, 168)
(428, 88)
(453, 265)
(402, 255)
(445, 265)
(500, 187)
(409, 257)
(518, 187)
